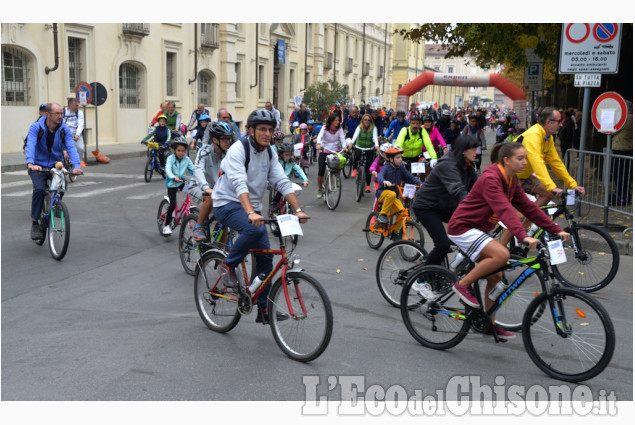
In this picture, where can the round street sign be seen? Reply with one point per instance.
(609, 113)
(83, 86)
(100, 94)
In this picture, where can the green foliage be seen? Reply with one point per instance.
(321, 96)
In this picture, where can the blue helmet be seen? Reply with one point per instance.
(203, 117)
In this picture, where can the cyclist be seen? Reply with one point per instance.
(379, 162)
(440, 147)
(200, 131)
(312, 136)
(195, 119)
(352, 121)
(47, 139)
(206, 170)
(162, 136)
(331, 139)
(304, 139)
(392, 174)
(444, 123)
(365, 143)
(277, 138)
(163, 108)
(74, 119)
(177, 165)
(442, 191)
(395, 126)
(414, 141)
(474, 131)
(285, 155)
(450, 134)
(237, 198)
(173, 117)
(492, 198)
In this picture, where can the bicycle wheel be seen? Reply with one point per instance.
(307, 332)
(163, 209)
(441, 323)
(217, 305)
(149, 169)
(373, 229)
(43, 217)
(360, 181)
(311, 154)
(188, 249)
(414, 232)
(59, 230)
(593, 258)
(67, 164)
(333, 190)
(394, 264)
(579, 346)
(348, 167)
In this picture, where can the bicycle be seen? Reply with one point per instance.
(180, 211)
(55, 217)
(281, 208)
(190, 250)
(596, 253)
(303, 336)
(332, 184)
(67, 165)
(348, 167)
(400, 226)
(566, 332)
(153, 163)
(360, 178)
(297, 156)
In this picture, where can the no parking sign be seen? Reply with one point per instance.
(590, 48)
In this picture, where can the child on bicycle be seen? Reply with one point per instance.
(285, 154)
(379, 162)
(177, 165)
(162, 136)
(277, 138)
(203, 122)
(392, 174)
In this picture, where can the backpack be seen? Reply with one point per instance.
(245, 142)
(40, 133)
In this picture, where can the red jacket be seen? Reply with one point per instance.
(493, 199)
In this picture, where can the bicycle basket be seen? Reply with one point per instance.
(153, 146)
(336, 161)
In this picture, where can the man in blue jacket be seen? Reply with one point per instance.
(48, 138)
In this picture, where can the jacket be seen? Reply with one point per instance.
(394, 176)
(413, 145)
(37, 151)
(206, 168)
(175, 168)
(395, 128)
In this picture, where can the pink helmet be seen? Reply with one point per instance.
(303, 126)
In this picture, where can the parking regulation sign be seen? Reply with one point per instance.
(590, 48)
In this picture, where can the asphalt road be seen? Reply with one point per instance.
(116, 319)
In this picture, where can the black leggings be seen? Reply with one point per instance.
(433, 222)
(172, 196)
(370, 157)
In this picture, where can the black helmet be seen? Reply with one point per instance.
(401, 113)
(285, 147)
(178, 140)
(261, 116)
(219, 128)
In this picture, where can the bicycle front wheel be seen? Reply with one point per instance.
(395, 263)
(306, 333)
(374, 231)
(188, 249)
(333, 190)
(59, 230)
(163, 209)
(217, 305)
(348, 167)
(414, 232)
(360, 181)
(149, 169)
(438, 323)
(574, 343)
(593, 258)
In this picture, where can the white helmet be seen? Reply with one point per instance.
(384, 147)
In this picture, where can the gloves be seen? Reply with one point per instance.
(433, 162)
(143, 142)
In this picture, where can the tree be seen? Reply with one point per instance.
(321, 96)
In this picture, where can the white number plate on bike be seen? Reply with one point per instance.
(289, 224)
(418, 168)
(409, 190)
(556, 252)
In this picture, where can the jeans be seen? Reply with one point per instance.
(234, 216)
(39, 192)
(433, 222)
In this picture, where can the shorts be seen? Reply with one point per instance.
(471, 242)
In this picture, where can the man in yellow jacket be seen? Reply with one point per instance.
(539, 143)
(414, 141)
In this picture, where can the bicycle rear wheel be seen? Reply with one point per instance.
(394, 264)
(579, 345)
(441, 323)
(217, 305)
(149, 169)
(188, 249)
(306, 333)
(373, 230)
(163, 209)
(333, 190)
(348, 167)
(593, 258)
(59, 230)
(360, 181)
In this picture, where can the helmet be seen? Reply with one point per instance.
(454, 122)
(384, 147)
(278, 135)
(415, 117)
(204, 117)
(427, 118)
(310, 122)
(335, 160)
(285, 147)
(303, 126)
(445, 112)
(401, 113)
(392, 151)
(220, 128)
(162, 117)
(511, 130)
(261, 116)
(179, 140)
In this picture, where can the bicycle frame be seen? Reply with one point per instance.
(180, 211)
(403, 217)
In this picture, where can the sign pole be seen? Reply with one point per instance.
(586, 112)
(607, 178)
(84, 136)
(96, 120)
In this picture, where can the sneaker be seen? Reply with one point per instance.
(425, 290)
(82, 164)
(319, 193)
(167, 230)
(503, 334)
(354, 173)
(36, 233)
(382, 219)
(263, 316)
(367, 189)
(228, 275)
(198, 234)
(466, 294)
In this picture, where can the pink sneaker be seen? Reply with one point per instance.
(466, 294)
(503, 334)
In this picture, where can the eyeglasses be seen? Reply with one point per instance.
(55, 113)
(226, 139)
(224, 118)
(265, 129)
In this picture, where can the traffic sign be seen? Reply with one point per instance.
(590, 48)
(84, 93)
(609, 113)
(533, 77)
(587, 80)
(100, 94)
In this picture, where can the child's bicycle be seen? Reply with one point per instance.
(400, 226)
(180, 211)
(153, 163)
(190, 250)
(303, 336)
(566, 332)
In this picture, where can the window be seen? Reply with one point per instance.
(309, 36)
(129, 83)
(170, 74)
(205, 88)
(239, 80)
(450, 70)
(15, 88)
(261, 81)
(76, 56)
(209, 35)
(292, 82)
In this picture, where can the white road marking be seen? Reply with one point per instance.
(105, 190)
(30, 192)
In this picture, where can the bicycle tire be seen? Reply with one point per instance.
(348, 167)
(595, 259)
(439, 324)
(163, 208)
(147, 175)
(360, 181)
(333, 191)
(414, 232)
(374, 235)
(394, 264)
(43, 217)
(219, 313)
(589, 343)
(307, 332)
(59, 230)
(189, 252)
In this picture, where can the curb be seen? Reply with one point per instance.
(122, 155)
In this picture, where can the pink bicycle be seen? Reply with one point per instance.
(180, 212)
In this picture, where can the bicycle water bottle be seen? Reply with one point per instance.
(257, 282)
(498, 289)
(457, 260)
(532, 230)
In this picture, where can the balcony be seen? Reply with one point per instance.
(349, 65)
(136, 29)
(328, 64)
(209, 36)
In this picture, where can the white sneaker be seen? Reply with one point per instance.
(425, 290)
(167, 230)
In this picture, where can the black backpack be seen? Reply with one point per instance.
(40, 133)
(245, 142)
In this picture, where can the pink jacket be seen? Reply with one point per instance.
(375, 166)
(436, 138)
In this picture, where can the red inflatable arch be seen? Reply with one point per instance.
(440, 79)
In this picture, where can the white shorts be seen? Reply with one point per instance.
(471, 242)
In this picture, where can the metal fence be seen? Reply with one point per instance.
(606, 177)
